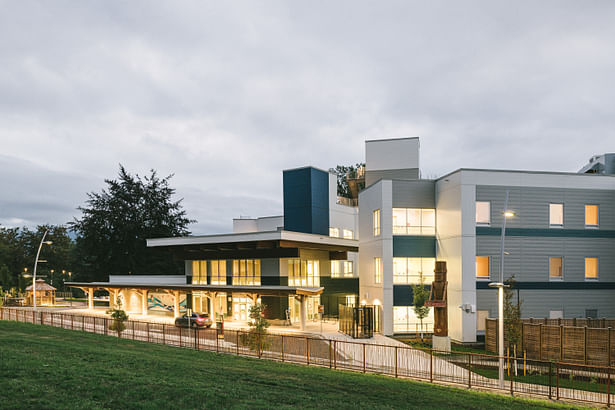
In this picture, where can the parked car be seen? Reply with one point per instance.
(194, 320)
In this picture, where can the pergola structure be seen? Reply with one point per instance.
(211, 291)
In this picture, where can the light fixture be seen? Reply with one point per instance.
(509, 214)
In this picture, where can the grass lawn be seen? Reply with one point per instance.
(426, 344)
(46, 367)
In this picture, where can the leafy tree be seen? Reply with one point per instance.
(512, 315)
(112, 232)
(342, 172)
(420, 296)
(256, 339)
(119, 316)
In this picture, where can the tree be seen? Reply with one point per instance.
(342, 172)
(256, 339)
(112, 232)
(512, 318)
(119, 316)
(420, 296)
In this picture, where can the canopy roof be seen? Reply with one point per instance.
(41, 285)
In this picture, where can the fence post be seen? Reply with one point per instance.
(196, 339)
(218, 341)
(259, 345)
(335, 354)
(550, 379)
(330, 359)
(364, 358)
(105, 325)
(164, 333)
(430, 365)
(557, 381)
(133, 329)
(561, 343)
(512, 378)
(307, 345)
(180, 335)
(283, 350)
(395, 361)
(147, 330)
(608, 387)
(540, 342)
(83, 326)
(609, 346)
(585, 344)
(72, 321)
(469, 370)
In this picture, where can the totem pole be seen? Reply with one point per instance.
(438, 300)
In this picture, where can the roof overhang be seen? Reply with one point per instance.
(270, 244)
(258, 290)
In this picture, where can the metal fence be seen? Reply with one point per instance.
(569, 340)
(555, 380)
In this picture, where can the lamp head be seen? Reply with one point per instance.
(48, 242)
(509, 214)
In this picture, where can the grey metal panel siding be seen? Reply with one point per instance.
(414, 194)
(538, 303)
(528, 257)
(531, 205)
(372, 177)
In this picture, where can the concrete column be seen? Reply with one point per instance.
(91, 298)
(176, 304)
(144, 302)
(212, 311)
(303, 310)
(112, 297)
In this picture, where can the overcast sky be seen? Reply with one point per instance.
(226, 95)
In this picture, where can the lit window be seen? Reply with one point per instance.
(351, 300)
(556, 214)
(482, 267)
(555, 268)
(334, 232)
(335, 269)
(303, 273)
(348, 268)
(199, 272)
(377, 270)
(414, 221)
(376, 221)
(483, 213)
(247, 272)
(591, 268)
(218, 272)
(591, 215)
(412, 270)
(348, 234)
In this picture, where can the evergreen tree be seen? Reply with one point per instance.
(420, 296)
(343, 171)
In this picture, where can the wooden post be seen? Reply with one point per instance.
(395, 361)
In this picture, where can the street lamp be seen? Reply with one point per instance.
(500, 285)
(43, 241)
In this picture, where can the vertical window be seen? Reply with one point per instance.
(591, 268)
(335, 269)
(410, 271)
(482, 267)
(414, 221)
(555, 268)
(351, 300)
(199, 272)
(376, 221)
(377, 270)
(303, 273)
(218, 272)
(556, 215)
(348, 268)
(348, 234)
(591, 216)
(483, 213)
(334, 232)
(247, 272)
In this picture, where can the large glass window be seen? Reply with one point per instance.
(483, 213)
(334, 232)
(556, 215)
(377, 270)
(405, 320)
(591, 268)
(410, 270)
(303, 273)
(218, 272)
(335, 269)
(199, 272)
(247, 272)
(555, 268)
(414, 221)
(482, 267)
(376, 222)
(591, 216)
(348, 234)
(348, 268)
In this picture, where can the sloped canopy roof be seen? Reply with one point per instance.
(41, 285)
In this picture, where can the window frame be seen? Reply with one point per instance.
(488, 277)
(332, 230)
(488, 223)
(378, 270)
(597, 277)
(592, 226)
(348, 273)
(551, 225)
(410, 229)
(556, 278)
(344, 231)
(376, 222)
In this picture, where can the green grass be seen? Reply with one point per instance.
(426, 344)
(46, 367)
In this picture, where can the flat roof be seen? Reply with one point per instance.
(260, 290)
(521, 171)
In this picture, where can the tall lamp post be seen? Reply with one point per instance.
(500, 286)
(43, 241)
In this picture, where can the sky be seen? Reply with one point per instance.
(225, 95)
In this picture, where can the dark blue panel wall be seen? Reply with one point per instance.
(414, 246)
(306, 201)
(403, 295)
